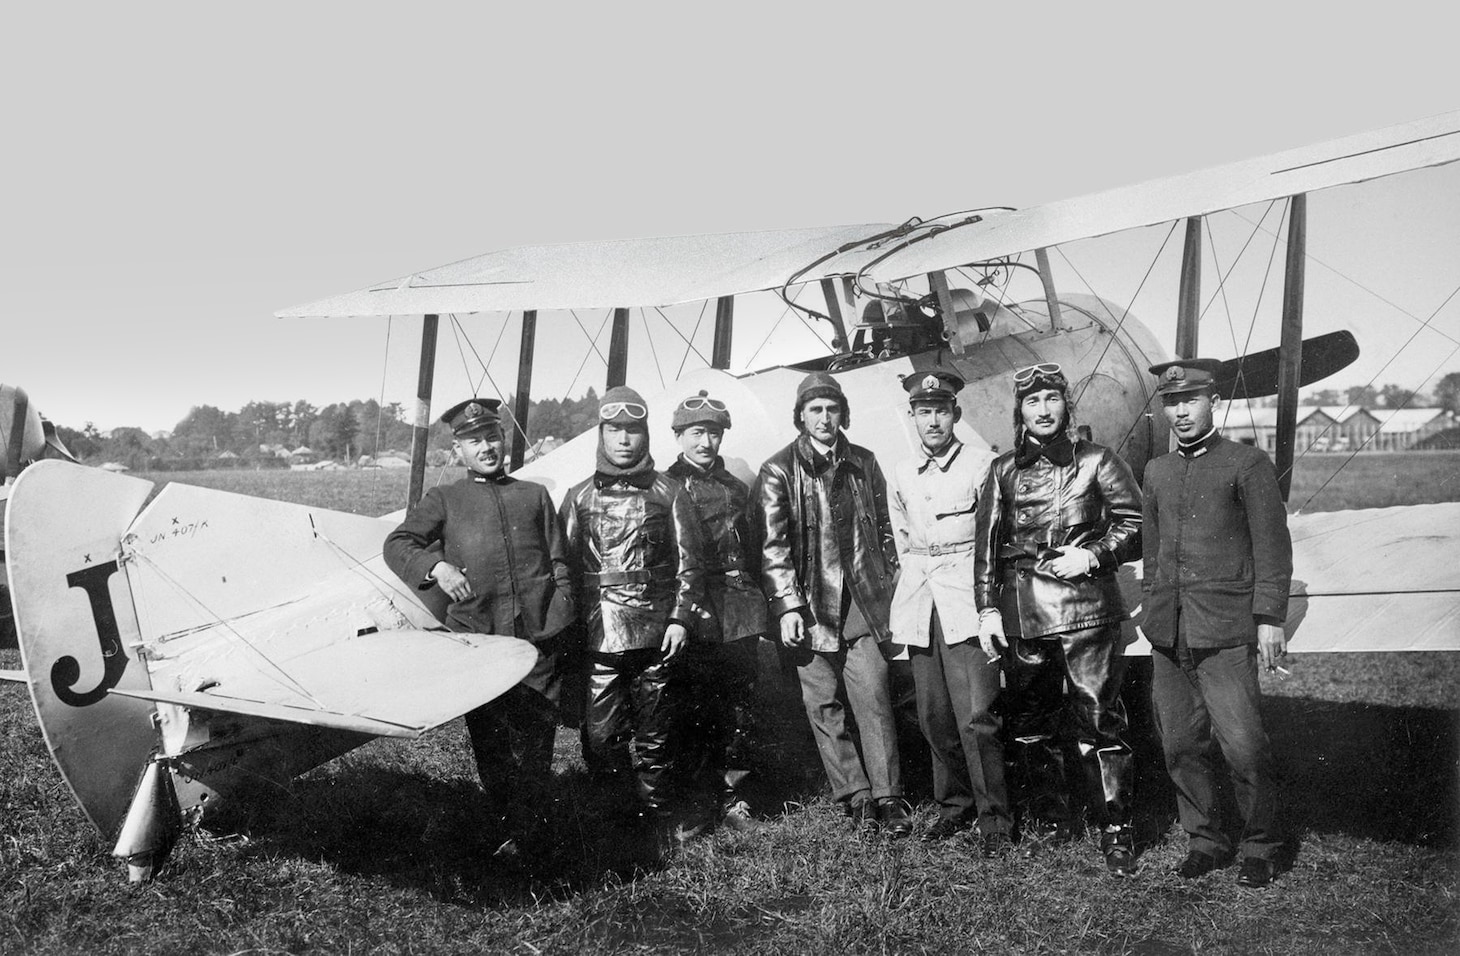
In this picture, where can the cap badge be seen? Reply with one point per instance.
(931, 382)
(475, 411)
(1175, 373)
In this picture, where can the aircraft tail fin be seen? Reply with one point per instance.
(78, 630)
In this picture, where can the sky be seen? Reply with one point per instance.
(178, 172)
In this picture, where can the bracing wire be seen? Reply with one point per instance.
(1425, 324)
(593, 347)
(690, 345)
(653, 352)
(774, 326)
(487, 373)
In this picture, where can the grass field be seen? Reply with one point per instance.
(375, 851)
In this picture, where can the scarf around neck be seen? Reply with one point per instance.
(640, 473)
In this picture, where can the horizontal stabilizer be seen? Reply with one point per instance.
(1256, 375)
(219, 703)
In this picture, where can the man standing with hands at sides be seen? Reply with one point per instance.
(1057, 517)
(1218, 564)
(494, 545)
(827, 571)
(934, 613)
(634, 547)
(721, 664)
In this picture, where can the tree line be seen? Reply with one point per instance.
(342, 431)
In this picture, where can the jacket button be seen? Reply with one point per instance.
(1023, 572)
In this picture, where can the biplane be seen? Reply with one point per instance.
(198, 643)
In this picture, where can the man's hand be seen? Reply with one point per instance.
(1272, 644)
(452, 581)
(793, 629)
(675, 637)
(991, 634)
(1071, 562)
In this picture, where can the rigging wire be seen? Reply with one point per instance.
(1370, 384)
(1359, 285)
(687, 342)
(1251, 326)
(460, 333)
(228, 628)
(685, 357)
(653, 352)
(774, 326)
(1125, 312)
(593, 347)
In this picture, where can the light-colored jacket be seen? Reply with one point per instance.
(933, 514)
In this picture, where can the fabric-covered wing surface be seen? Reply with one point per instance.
(243, 601)
(1383, 579)
(616, 273)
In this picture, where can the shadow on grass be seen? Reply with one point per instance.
(1369, 771)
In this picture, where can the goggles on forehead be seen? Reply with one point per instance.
(1026, 375)
(632, 409)
(702, 401)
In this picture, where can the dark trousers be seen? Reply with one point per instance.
(957, 688)
(716, 715)
(627, 721)
(512, 741)
(1036, 705)
(1204, 696)
(859, 670)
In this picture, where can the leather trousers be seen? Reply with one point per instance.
(627, 721)
(1089, 662)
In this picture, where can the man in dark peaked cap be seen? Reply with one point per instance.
(495, 546)
(1218, 566)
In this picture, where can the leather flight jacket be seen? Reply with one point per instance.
(803, 564)
(736, 608)
(635, 549)
(1086, 496)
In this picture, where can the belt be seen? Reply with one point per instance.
(604, 579)
(937, 549)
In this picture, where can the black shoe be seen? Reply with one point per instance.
(1120, 860)
(995, 846)
(1254, 872)
(946, 828)
(892, 813)
(863, 812)
(1196, 864)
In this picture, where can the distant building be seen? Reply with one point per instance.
(1334, 427)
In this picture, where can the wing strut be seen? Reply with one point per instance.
(1188, 306)
(834, 312)
(524, 385)
(1290, 349)
(422, 428)
(1046, 278)
(724, 332)
(938, 282)
(618, 348)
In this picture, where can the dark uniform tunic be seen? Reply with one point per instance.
(721, 664)
(1218, 562)
(504, 535)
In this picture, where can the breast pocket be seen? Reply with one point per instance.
(956, 518)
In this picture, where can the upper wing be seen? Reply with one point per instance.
(665, 271)
(1396, 149)
(617, 273)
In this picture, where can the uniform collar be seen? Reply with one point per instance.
(1199, 447)
(944, 459)
(817, 460)
(496, 479)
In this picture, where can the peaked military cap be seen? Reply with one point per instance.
(932, 385)
(472, 416)
(1186, 375)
